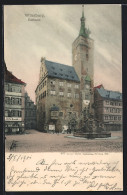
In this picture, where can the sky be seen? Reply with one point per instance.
(35, 31)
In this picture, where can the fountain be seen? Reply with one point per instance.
(91, 128)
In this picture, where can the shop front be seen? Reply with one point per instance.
(13, 125)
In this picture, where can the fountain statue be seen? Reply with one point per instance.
(91, 127)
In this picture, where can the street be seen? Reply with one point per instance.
(35, 141)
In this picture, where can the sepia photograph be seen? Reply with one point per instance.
(63, 97)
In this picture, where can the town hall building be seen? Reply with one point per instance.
(64, 91)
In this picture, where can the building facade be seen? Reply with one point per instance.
(57, 95)
(14, 103)
(64, 91)
(108, 108)
(30, 113)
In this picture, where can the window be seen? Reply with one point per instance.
(60, 114)
(13, 89)
(9, 113)
(7, 100)
(19, 113)
(107, 102)
(16, 113)
(87, 97)
(117, 110)
(68, 94)
(68, 84)
(12, 101)
(76, 86)
(6, 87)
(106, 109)
(76, 95)
(116, 103)
(52, 82)
(120, 104)
(119, 118)
(44, 93)
(115, 117)
(106, 117)
(111, 117)
(87, 56)
(61, 93)
(52, 92)
(6, 113)
(111, 103)
(61, 83)
(45, 82)
(111, 110)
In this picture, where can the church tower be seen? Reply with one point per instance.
(83, 61)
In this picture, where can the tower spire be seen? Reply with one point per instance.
(82, 10)
(83, 31)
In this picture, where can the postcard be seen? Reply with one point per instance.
(63, 97)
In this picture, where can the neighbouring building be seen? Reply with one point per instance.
(30, 113)
(14, 103)
(64, 90)
(108, 108)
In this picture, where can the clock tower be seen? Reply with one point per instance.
(83, 61)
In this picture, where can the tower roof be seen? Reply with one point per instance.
(83, 30)
(87, 78)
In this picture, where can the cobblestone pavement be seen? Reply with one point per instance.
(34, 141)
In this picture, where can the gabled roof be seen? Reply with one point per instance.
(99, 86)
(110, 94)
(9, 77)
(61, 71)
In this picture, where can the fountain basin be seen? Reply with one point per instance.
(92, 135)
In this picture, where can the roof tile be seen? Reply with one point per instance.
(61, 71)
(110, 94)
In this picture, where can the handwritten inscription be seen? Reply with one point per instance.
(17, 158)
(54, 173)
